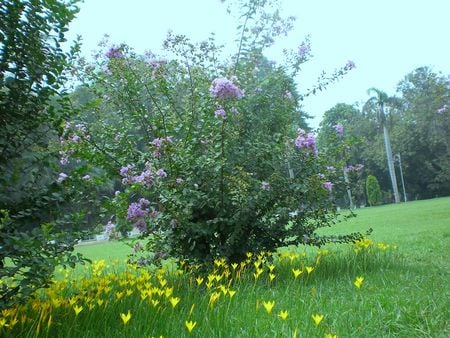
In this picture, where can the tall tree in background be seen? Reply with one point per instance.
(422, 135)
(380, 99)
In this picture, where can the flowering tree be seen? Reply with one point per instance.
(211, 156)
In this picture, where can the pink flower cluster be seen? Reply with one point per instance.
(223, 88)
(137, 213)
(159, 144)
(339, 128)
(306, 141)
(145, 178)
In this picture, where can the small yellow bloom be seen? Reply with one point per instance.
(271, 267)
(3, 322)
(309, 269)
(174, 301)
(199, 280)
(269, 306)
(168, 292)
(271, 276)
(100, 302)
(231, 293)
(72, 301)
(283, 314)
(155, 302)
(190, 325)
(297, 272)
(317, 318)
(119, 295)
(330, 335)
(129, 292)
(234, 265)
(125, 317)
(214, 296)
(77, 309)
(358, 282)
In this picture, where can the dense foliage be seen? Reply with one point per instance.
(32, 107)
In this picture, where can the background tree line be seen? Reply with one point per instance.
(418, 122)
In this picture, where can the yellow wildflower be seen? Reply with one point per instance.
(190, 325)
(283, 314)
(309, 269)
(269, 306)
(297, 272)
(174, 301)
(77, 309)
(358, 282)
(317, 318)
(125, 317)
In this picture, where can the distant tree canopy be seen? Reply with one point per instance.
(419, 125)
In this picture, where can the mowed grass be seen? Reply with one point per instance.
(405, 292)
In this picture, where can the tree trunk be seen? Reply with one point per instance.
(390, 160)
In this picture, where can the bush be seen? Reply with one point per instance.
(373, 190)
(211, 155)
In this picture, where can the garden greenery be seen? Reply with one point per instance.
(210, 158)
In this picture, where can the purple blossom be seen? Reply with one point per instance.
(179, 180)
(288, 95)
(265, 186)
(124, 171)
(86, 177)
(64, 159)
(109, 229)
(141, 225)
(81, 128)
(306, 141)
(304, 50)
(161, 173)
(61, 177)
(220, 113)
(350, 65)
(75, 139)
(114, 53)
(144, 202)
(135, 212)
(328, 185)
(222, 88)
(146, 178)
(339, 128)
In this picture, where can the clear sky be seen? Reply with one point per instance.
(386, 39)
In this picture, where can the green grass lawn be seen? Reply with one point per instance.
(405, 291)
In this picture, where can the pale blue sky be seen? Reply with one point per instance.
(385, 38)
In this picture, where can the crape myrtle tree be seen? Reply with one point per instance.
(208, 156)
(32, 108)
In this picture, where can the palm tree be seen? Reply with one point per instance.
(380, 99)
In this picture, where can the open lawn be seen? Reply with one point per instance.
(396, 286)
